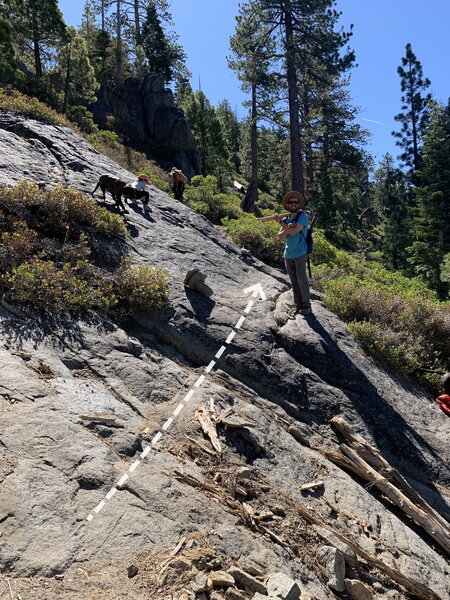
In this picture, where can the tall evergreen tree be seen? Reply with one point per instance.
(230, 131)
(207, 130)
(77, 73)
(391, 203)
(253, 50)
(164, 55)
(7, 54)
(38, 24)
(307, 44)
(432, 212)
(413, 117)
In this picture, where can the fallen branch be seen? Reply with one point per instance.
(365, 459)
(413, 586)
(418, 515)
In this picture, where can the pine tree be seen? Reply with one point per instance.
(37, 24)
(165, 57)
(432, 213)
(7, 54)
(391, 203)
(253, 49)
(414, 115)
(311, 53)
(76, 71)
(230, 131)
(207, 130)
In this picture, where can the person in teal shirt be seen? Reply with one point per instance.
(293, 232)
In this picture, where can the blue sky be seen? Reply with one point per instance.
(382, 28)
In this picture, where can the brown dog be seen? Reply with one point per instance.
(114, 186)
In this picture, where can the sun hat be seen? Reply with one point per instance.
(144, 177)
(296, 195)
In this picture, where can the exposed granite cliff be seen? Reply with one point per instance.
(146, 114)
(82, 399)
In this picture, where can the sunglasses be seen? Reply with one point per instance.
(292, 202)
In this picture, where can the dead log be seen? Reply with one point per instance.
(413, 586)
(367, 461)
(440, 534)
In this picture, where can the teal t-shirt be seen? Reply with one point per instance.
(296, 244)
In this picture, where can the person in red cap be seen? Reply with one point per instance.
(444, 399)
(140, 189)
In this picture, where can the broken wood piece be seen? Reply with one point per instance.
(178, 546)
(103, 420)
(248, 513)
(201, 446)
(311, 486)
(416, 588)
(208, 428)
(273, 536)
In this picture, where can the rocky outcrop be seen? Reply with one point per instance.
(105, 457)
(146, 113)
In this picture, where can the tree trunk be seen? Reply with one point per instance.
(37, 58)
(254, 152)
(119, 56)
(297, 179)
(137, 25)
(67, 81)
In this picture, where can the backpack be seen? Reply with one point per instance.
(178, 177)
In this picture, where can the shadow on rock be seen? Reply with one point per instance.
(393, 434)
(201, 305)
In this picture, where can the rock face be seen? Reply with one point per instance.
(146, 113)
(104, 462)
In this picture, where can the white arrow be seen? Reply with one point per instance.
(257, 291)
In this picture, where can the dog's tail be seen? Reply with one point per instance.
(92, 193)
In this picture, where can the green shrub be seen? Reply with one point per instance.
(259, 237)
(43, 285)
(204, 197)
(53, 212)
(405, 331)
(14, 101)
(83, 118)
(140, 287)
(17, 245)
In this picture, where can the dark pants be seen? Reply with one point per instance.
(296, 269)
(178, 189)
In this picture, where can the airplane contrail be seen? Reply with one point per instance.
(372, 121)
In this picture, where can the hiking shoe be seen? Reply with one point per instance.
(305, 311)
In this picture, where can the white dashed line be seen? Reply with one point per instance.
(167, 424)
(99, 506)
(220, 351)
(210, 366)
(239, 323)
(145, 451)
(230, 337)
(122, 480)
(156, 438)
(134, 466)
(199, 381)
(111, 493)
(249, 306)
(179, 408)
(189, 395)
